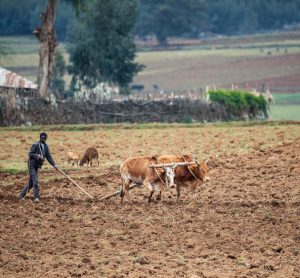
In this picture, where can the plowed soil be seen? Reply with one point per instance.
(245, 222)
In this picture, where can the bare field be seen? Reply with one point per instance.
(243, 223)
(223, 68)
(273, 60)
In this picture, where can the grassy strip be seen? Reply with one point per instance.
(13, 168)
(287, 98)
(286, 112)
(85, 127)
(13, 171)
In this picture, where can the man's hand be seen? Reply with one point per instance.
(55, 167)
(40, 157)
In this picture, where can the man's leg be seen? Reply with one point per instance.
(26, 188)
(35, 182)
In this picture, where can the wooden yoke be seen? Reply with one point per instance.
(172, 164)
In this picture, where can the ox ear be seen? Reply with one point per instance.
(187, 158)
(154, 158)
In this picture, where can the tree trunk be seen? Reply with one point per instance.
(46, 37)
(162, 40)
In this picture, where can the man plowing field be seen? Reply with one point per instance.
(38, 153)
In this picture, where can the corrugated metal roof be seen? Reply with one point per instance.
(13, 80)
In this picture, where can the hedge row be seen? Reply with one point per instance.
(238, 103)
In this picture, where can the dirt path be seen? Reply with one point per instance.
(244, 223)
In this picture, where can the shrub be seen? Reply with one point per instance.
(238, 103)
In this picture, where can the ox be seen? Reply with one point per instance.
(189, 176)
(137, 170)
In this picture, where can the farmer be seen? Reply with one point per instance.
(37, 154)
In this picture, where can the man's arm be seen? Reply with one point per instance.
(49, 158)
(32, 153)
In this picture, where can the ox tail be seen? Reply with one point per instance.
(122, 192)
(97, 158)
(122, 188)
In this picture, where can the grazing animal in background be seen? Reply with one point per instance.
(137, 170)
(90, 154)
(189, 176)
(73, 158)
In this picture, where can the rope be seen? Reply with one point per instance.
(191, 171)
(158, 174)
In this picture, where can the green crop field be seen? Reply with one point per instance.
(287, 98)
(288, 112)
(286, 107)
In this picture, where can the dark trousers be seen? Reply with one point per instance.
(32, 182)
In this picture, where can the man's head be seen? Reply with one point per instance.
(43, 137)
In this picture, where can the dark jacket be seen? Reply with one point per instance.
(37, 149)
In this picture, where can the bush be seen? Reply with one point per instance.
(237, 103)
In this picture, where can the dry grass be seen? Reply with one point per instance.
(115, 145)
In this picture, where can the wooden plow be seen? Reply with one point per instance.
(175, 164)
(162, 165)
(116, 193)
(76, 184)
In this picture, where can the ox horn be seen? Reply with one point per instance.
(195, 159)
(206, 161)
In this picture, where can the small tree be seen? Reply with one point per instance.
(46, 37)
(102, 46)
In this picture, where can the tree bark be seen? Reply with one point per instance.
(46, 37)
(162, 40)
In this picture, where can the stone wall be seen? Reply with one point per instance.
(25, 107)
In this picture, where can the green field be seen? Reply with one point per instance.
(286, 107)
(288, 112)
(287, 98)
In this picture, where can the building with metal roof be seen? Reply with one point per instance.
(10, 79)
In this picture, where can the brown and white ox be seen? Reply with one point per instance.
(137, 170)
(73, 158)
(188, 176)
